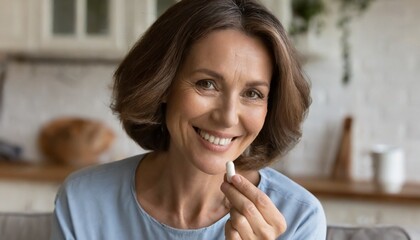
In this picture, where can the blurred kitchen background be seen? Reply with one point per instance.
(57, 58)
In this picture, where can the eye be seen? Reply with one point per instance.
(206, 84)
(253, 94)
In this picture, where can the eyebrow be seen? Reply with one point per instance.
(220, 77)
(209, 72)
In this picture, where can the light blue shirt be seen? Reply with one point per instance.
(100, 203)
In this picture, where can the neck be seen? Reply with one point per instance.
(188, 200)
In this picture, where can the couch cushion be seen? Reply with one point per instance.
(366, 233)
(23, 226)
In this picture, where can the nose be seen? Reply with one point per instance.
(227, 112)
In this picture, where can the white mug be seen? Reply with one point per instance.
(388, 167)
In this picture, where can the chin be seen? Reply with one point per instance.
(212, 165)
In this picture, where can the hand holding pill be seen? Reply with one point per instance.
(253, 215)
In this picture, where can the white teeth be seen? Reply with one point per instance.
(225, 141)
(215, 140)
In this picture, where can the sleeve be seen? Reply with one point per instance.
(62, 224)
(313, 226)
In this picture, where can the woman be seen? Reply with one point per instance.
(209, 82)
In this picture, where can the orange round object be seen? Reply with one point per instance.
(74, 141)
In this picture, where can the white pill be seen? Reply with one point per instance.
(230, 171)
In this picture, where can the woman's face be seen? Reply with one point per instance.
(218, 102)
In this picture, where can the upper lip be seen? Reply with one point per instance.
(217, 134)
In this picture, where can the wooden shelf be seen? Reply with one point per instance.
(320, 187)
(34, 172)
(363, 190)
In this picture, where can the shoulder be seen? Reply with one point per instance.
(108, 174)
(275, 183)
(302, 210)
(85, 195)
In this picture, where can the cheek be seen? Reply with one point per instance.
(255, 119)
(192, 105)
(187, 105)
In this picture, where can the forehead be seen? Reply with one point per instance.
(229, 40)
(223, 49)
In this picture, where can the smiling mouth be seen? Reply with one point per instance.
(213, 139)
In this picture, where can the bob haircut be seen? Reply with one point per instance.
(144, 77)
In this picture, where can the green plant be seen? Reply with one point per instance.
(306, 14)
(348, 10)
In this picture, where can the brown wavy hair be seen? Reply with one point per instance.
(143, 78)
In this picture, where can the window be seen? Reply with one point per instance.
(83, 27)
(64, 17)
(162, 5)
(79, 18)
(97, 15)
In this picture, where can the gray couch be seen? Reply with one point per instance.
(25, 226)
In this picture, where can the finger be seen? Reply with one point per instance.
(245, 207)
(226, 203)
(230, 232)
(262, 202)
(241, 225)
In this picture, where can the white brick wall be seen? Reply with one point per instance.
(382, 95)
(35, 93)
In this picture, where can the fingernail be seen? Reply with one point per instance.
(236, 179)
